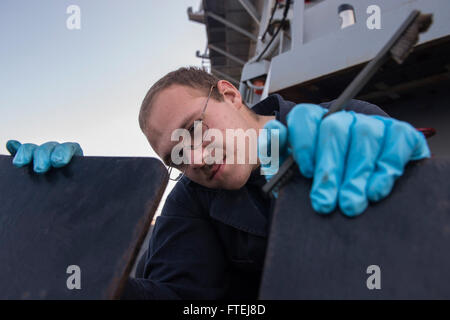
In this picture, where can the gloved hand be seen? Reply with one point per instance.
(49, 154)
(352, 158)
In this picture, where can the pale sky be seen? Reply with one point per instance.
(87, 85)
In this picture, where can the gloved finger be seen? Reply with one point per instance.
(272, 147)
(332, 146)
(303, 125)
(365, 145)
(63, 153)
(41, 157)
(402, 143)
(12, 146)
(24, 154)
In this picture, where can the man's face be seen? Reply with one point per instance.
(178, 107)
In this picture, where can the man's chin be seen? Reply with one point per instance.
(232, 179)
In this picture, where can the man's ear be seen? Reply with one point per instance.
(230, 93)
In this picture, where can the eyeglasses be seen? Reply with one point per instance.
(194, 143)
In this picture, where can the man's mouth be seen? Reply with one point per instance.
(216, 168)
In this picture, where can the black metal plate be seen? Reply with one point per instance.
(93, 213)
(407, 235)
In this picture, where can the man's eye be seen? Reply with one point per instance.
(191, 131)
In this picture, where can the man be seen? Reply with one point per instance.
(210, 240)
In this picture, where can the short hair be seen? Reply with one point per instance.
(192, 77)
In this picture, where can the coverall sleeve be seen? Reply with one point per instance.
(185, 258)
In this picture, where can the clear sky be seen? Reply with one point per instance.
(87, 85)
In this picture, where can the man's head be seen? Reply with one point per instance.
(176, 101)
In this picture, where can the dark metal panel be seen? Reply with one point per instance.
(311, 256)
(93, 213)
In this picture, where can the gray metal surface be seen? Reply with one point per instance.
(251, 10)
(232, 29)
(311, 47)
(321, 48)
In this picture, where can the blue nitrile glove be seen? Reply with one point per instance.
(49, 154)
(352, 158)
(269, 162)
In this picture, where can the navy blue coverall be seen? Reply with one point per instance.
(211, 243)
